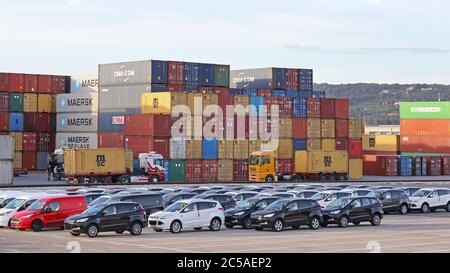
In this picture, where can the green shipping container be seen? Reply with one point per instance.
(177, 170)
(16, 102)
(222, 75)
(422, 154)
(425, 110)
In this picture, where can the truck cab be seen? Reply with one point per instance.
(262, 166)
(153, 165)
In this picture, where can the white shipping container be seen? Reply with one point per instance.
(6, 147)
(77, 103)
(76, 140)
(87, 83)
(6, 172)
(122, 97)
(126, 73)
(177, 148)
(77, 122)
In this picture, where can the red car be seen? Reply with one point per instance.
(48, 212)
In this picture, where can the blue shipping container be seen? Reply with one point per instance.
(166, 170)
(299, 106)
(206, 74)
(210, 149)
(305, 94)
(190, 88)
(249, 92)
(292, 93)
(236, 91)
(299, 144)
(158, 87)
(278, 93)
(405, 166)
(191, 74)
(136, 170)
(306, 79)
(279, 78)
(318, 94)
(159, 72)
(111, 121)
(15, 122)
(255, 103)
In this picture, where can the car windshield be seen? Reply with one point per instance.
(421, 193)
(319, 196)
(14, 204)
(176, 207)
(37, 205)
(246, 204)
(100, 200)
(340, 203)
(254, 160)
(277, 205)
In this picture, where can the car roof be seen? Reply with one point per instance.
(197, 200)
(59, 197)
(119, 202)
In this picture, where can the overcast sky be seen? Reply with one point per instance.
(344, 41)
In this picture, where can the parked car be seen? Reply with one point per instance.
(227, 201)
(392, 200)
(241, 214)
(284, 195)
(359, 192)
(353, 210)
(327, 197)
(430, 199)
(114, 216)
(410, 190)
(306, 194)
(192, 213)
(170, 199)
(244, 195)
(48, 212)
(20, 203)
(151, 202)
(288, 213)
(92, 196)
(8, 196)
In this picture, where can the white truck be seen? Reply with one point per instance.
(151, 164)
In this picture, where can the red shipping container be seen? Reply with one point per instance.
(174, 87)
(341, 108)
(380, 165)
(139, 144)
(265, 92)
(161, 145)
(341, 144)
(30, 83)
(380, 153)
(313, 108)
(206, 89)
(434, 165)
(148, 125)
(43, 142)
(4, 82)
(285, 166)
(193, 171)
(29, 142)
(30, 122)
(110, 140)
(342, 128)
(29, 161)
(446, 165)
(176, 73)
(210, 170)
(4, 121)
(285, 104)
(354, 149)
(299, 128)
(221, 90)
(240, 170)
(425, 144)
(327, 108)
(4, 102)
(16, 82)
(225, 99)
(291, 77)
(45, 84)
(58, 84)
(43, 122)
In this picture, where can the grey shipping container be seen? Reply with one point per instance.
(42, 161)
(84, 84)
(252, 78)
(126, 73)
(122, 97)
(6, 172)
(76, 140)
(177, 148)
(6, 147)
(77, 122)
(77, 103)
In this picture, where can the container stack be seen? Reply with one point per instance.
(27, 112)
(381, 155)
(6, 159)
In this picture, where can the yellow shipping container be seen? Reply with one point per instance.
(94, 162)
(240, 149)
(129, 161)
(313, 128)
(242, 100)
(18, 140)
(226, 149)
(321, 162)
(328, 145)
(225, 170)
(210, 99)
(313, 144)
(30, 102)
(195, 99)
(44, 103)
(381, 143)
(178, 98)
(156, 103)
(53, 103)
(356, 128)
(193, 149)
(285, 128)
(285, 149)
(328, 128)
(17, 162)
(265, 142)
(254, 146)
(355, 168)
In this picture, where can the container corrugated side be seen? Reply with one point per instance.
(44, 103)
(77, 103)
(355, 168)
(85, 162)
(30, 102)
(126, 73)
(156, 103)
(6, 172)
(87, 83)
(225, 170)
(77, 122)
(381, 143)
(77, 140)
(177, 148)
(121, 97)
(7, 147)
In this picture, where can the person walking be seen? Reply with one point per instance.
(50, 168)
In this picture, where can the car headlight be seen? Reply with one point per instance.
(4, 214)
(239, 213)
(269, 215)
(82, 220)
(335, 212)
(27, 216)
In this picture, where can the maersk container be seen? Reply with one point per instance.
(7, 147)
(191, 75)
(84, 83)
(16, 102)
(259, 78)
(126, 73)
(300, 107)
(77, 103)
(76, 140)
(122, 97)
(222, 75)
(299, 144)
(6, 172)
(255, 103)
(306, 79)
(206, 74)
(111, 121)
(159, 71)
(210, 149)
(406, 165)
(15, 122)
(77, 122)
(177, 170)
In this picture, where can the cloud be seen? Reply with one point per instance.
(367, 50)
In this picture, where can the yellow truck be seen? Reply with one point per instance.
(314, 165)
(106, 165)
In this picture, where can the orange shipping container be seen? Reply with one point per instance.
(425, 127)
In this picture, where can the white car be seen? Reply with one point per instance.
(191, 213)
(324, 198)
(430, 199)
(20, 203)
(8, 196)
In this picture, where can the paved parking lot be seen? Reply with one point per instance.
(410, 233)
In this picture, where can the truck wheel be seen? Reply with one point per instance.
(80, 180)
(93, 180)
(155, 179)
(323, 177)
(269, 178)
(124, 179)
(342, 177)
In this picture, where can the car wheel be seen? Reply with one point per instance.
(278, 225)
(448, 207)
(198, 228)
(120, 231)
(36, 226)
(343, 222)
(9, 223)
(403, 209)
(376, 220)
(136, 229)
(269, 179)
(229, 226)
(215, 224)
(247, 223)
(315, 223)
(92, 231)
(425, 208)
(74, 234)
(175, 227)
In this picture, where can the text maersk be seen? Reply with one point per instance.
(80, 102)
(78, 139)
(80, 122)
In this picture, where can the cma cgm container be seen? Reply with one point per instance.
(148, 125)
(87, 83)
(380, 165)
(111, 121)
(126, 73)
(77, 122)
(77, 103)
(425, 110)
(259, 78)
(121, 97)
(425, 127)
(76, 140)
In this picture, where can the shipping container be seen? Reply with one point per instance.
(355, 149)
(299, 144)
(122, 97)
(210, 100)
(425, 127)
(425, 144)
(434, 166)
(225, 149)
(209, 170)
(222, 75)
(125, 73)
(77, 140)
(176, 100)
(44, 142)
(425, 110)
(87, 83)
(256, 104)
(76, 103)
(313, 108)
(6, 172)
(210, 149)
(29, 161)
(43, 122)
(243, 101)
(194, 149)
(356, 128)
(195, 103)
(299, 128)
(4, 102)
(159, 72)
(30, 122)
(265, 92)
(4, 82)
(175, 73)
(285, 149)
(380, 165)
(221, 90)
(44, 103)
(16, 82)
(206, 74)
(241, 148)
(79, 122)
(292, 78)
(58, 84)
(254, 146)
(139, 144)
(342, 128)
(355, 168)
(284, 166)
(161, 145)
(30, 83)
(328, 145)
(4, 121)
(379, 143)
(193, 171)
(327, 107)
(224, 101)
(306, 79)
(7, 150)
(148, 125)
(16, 102)
(177, 170)
(285, 127)
(292, 93)
(17, 162)
(111, 140)
(15, 122)
(240, 170)
(342, 144)
(321, 162)
(313, 127)
(45, 84)
(177, 148)
(191, 75)
(259, 78)
(405, 166)
(225, 170)
(278, 93)
(29, 142)
(42, 159)
(446, 165)
(17, 141)
(328, 128)
(314, 144)
(341, 108)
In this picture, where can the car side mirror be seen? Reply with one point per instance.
(46, 210)
(431, 196)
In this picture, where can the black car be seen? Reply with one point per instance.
(288, 212)
(92, 196)
(393, 200)
(114, 216)
(169, 199)
(225, 200)
(361, 192)
(410, 190)
(244, 195)
(353, 210)
(240, 215)
(151, 202)
(306, 194)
